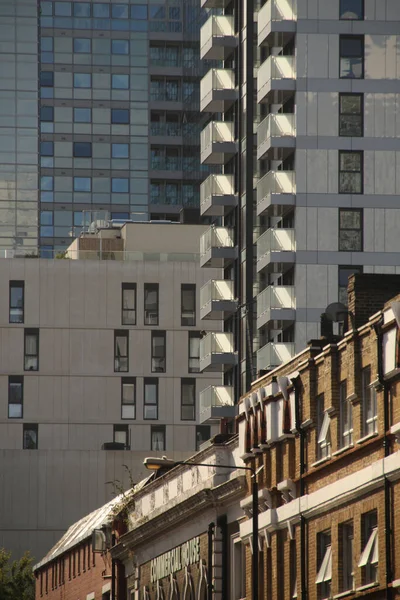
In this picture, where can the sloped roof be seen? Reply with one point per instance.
(82, 529)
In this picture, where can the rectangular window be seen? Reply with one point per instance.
(31, 350)
(128, 398)
(151, 303)
(188, 304)
(324, 565)
(120, 82)
(344, 273)
(194, 352)
(120, 185)
(82, 80)
(351, 48)
(369, 403)
(158, 352)
(119, 46)
(15, 397)
(369, 556)
(121, 351)
(323, 429)
(350, 230)
(128, 316)
(351, 115)
(203, 434)
(293, 568)
(121, 435)
(82, 115)
(17, 295)
(350, 172)
(188, 399)
(30, 436)
(82, 9)
(158, 438)
(47, 114)
(351, 9)
(238, 568)
(82, 184)
(150, 408)
(120, 116)
(82, 150)
(82, 45)
(346, 537)
(84, 558)
(120, 150)
(47, 78)
(346, 417)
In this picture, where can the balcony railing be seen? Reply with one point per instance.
(217, 142)
(216, 237)
(276, 73)
(216, 350)
(216, 402)
(275, 240)
(217, 90)
(216, 194)
(216, 290)
(275, 131)
(273, 354)
(217, 37)
(272, 16)
(276, 189)
(275, 297)
(168, 129)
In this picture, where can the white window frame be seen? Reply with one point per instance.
(325, 571)
(238, 572)
(324, 438)
(347, 556)
(370, 554)
(370, 424)
(346, 410)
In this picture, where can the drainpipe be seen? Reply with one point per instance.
(210, 561)
(386, 448)
(300, 431)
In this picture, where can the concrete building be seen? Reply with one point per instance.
(315, 197)
(100, 366)
(108, 93)
(321, 433)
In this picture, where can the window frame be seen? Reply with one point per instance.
(369, 399)
(163, 358)
(197, 431)
(361, 154)
(360, 38)
(188, 381)
(370, 547)
(193, 335)
(16, 380)
(150, 381)
(116, 122)
(188, 321)
(147, 318)
(26, 427)
(323, 429)
(113, 53)
(78, 39)
(323, 578)
(158, 429)
(128, 287)
(82, 87)
(341, 10)
(16, 284)
(122, 428)
(75, 146)
(346, 439)
(341, 114)
(354, 269)
(346, 538)
(31, 333)
(125, 381)
(123, 333)
(360, 211)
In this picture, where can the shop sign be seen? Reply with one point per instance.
(176, 559)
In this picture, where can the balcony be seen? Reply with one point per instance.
(216, 247)
(275, 248)
(214, 3)
(217, 195)
(217, 352)
(276, 132)
(217, 299)
(217, 90)
(217, 38)
(277, 73)
(216, 402)
(276, 193)
(217, 143)
(275, 303)
(277, 16)
(274, 354)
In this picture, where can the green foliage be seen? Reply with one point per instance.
(17, 581)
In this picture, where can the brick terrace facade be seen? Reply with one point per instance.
(323, 427)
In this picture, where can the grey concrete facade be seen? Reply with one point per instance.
(75, 397)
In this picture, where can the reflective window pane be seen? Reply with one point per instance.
(46, 44)
(82, 184)
(120, 150)
(46, 149)
(82, 80)
(81, 9)
(101, 11)
(82, 115)
(120, 11)
(46, 183)
(139, 11)
(119, 116)
(352, 9)
(47, 114)
(62, 9)
(82, 149)
(82, 45)
(120, 82)
(46, 9)
(47, 78)
(119, 47)
(120, 185)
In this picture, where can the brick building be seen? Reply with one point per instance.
(324, 430)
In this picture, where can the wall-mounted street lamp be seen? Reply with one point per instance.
(155, 464)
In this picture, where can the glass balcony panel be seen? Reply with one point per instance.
(217, 37)
(275, 240)
(271, 16)
(216, 402)
(273, 354)
(276, 73)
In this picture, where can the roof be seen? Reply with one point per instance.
(82, 529)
